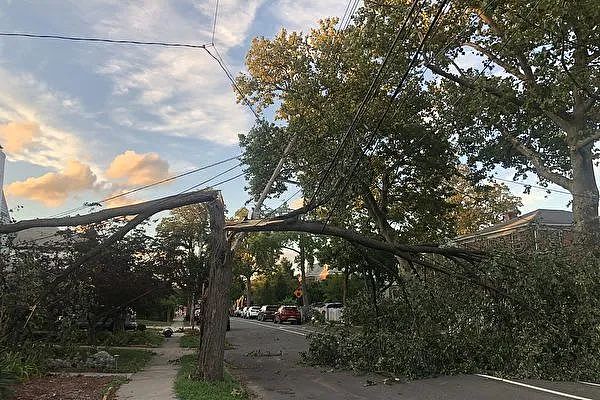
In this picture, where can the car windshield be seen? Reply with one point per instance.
(335, 305)
(255, 308)
(290, 308)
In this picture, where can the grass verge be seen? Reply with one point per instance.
(111, 389)
(189, 341)
(128, 360)
(188, 388)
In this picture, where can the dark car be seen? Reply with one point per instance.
(289, 314)
(267, 313)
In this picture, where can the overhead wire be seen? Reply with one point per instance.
(212, 41)
(479, 75)
(396, 92)
(102, 40)
(206, 181)
(366, 98)
(156, 183)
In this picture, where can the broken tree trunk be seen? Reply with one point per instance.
(212, 348)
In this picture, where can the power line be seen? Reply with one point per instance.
(364, 101)
(193, 171)
(396, 92)
(212, 178)
(103, 40)
(182, 192)
(221, 63)
(212, 41)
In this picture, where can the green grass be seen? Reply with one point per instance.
(147, 338)
(189, 341)
(129, 360)
(149, 322)
(113, 386)
(188, 388)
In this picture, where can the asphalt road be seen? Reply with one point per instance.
(266, 358)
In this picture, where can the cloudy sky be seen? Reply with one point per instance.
(82, 121)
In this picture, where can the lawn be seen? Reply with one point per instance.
(128, 360)
(189, 341)
(147, 338)
(149, 322)
(188, 388)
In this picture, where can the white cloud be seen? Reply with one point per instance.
(53, 188)
(303, 15)
(25, 99)
(176, 92)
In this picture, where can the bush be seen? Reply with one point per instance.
(546, 324)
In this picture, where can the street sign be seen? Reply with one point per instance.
(298, 293)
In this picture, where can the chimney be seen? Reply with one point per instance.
(512, 214)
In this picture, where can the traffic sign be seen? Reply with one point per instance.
(298, 293)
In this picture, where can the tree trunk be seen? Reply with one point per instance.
(248, 291)
(212, 348)
(303, 283)
(345, 286)
(585, 197)
(91, 331)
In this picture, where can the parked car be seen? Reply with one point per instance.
(289, 314)
(267, 313)
(331, 311)
(253, 312)
(244, 312)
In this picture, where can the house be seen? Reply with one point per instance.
(535, 230)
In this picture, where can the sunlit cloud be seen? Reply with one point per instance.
(54, 188)
(15, 136)
(138, 169)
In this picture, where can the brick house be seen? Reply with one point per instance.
(535, 230)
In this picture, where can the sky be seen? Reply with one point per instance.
(81, 121)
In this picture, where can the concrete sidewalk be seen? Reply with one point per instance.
(155, 382)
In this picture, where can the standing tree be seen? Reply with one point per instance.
(478, 206)
(534, 106)
(183, 236)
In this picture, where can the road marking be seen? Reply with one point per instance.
(273, 327)
(570, 396)
(589, 383)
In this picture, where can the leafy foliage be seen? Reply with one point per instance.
(547, 328)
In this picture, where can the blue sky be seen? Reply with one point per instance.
(83, 121)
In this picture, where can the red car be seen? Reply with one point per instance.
(289, 314)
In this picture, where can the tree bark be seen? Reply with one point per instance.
(248, 290)
(212, 348)
(585, 197)
(345, 285)
(305, 299)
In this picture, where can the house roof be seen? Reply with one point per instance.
(540, 217)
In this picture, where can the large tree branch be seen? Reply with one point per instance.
(559, 120)
(537, 162)
(154, 206)
(588, 140)
(320, 228)
(507, 67)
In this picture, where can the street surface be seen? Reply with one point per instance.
(266, 358)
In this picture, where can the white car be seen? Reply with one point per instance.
(253, 312)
